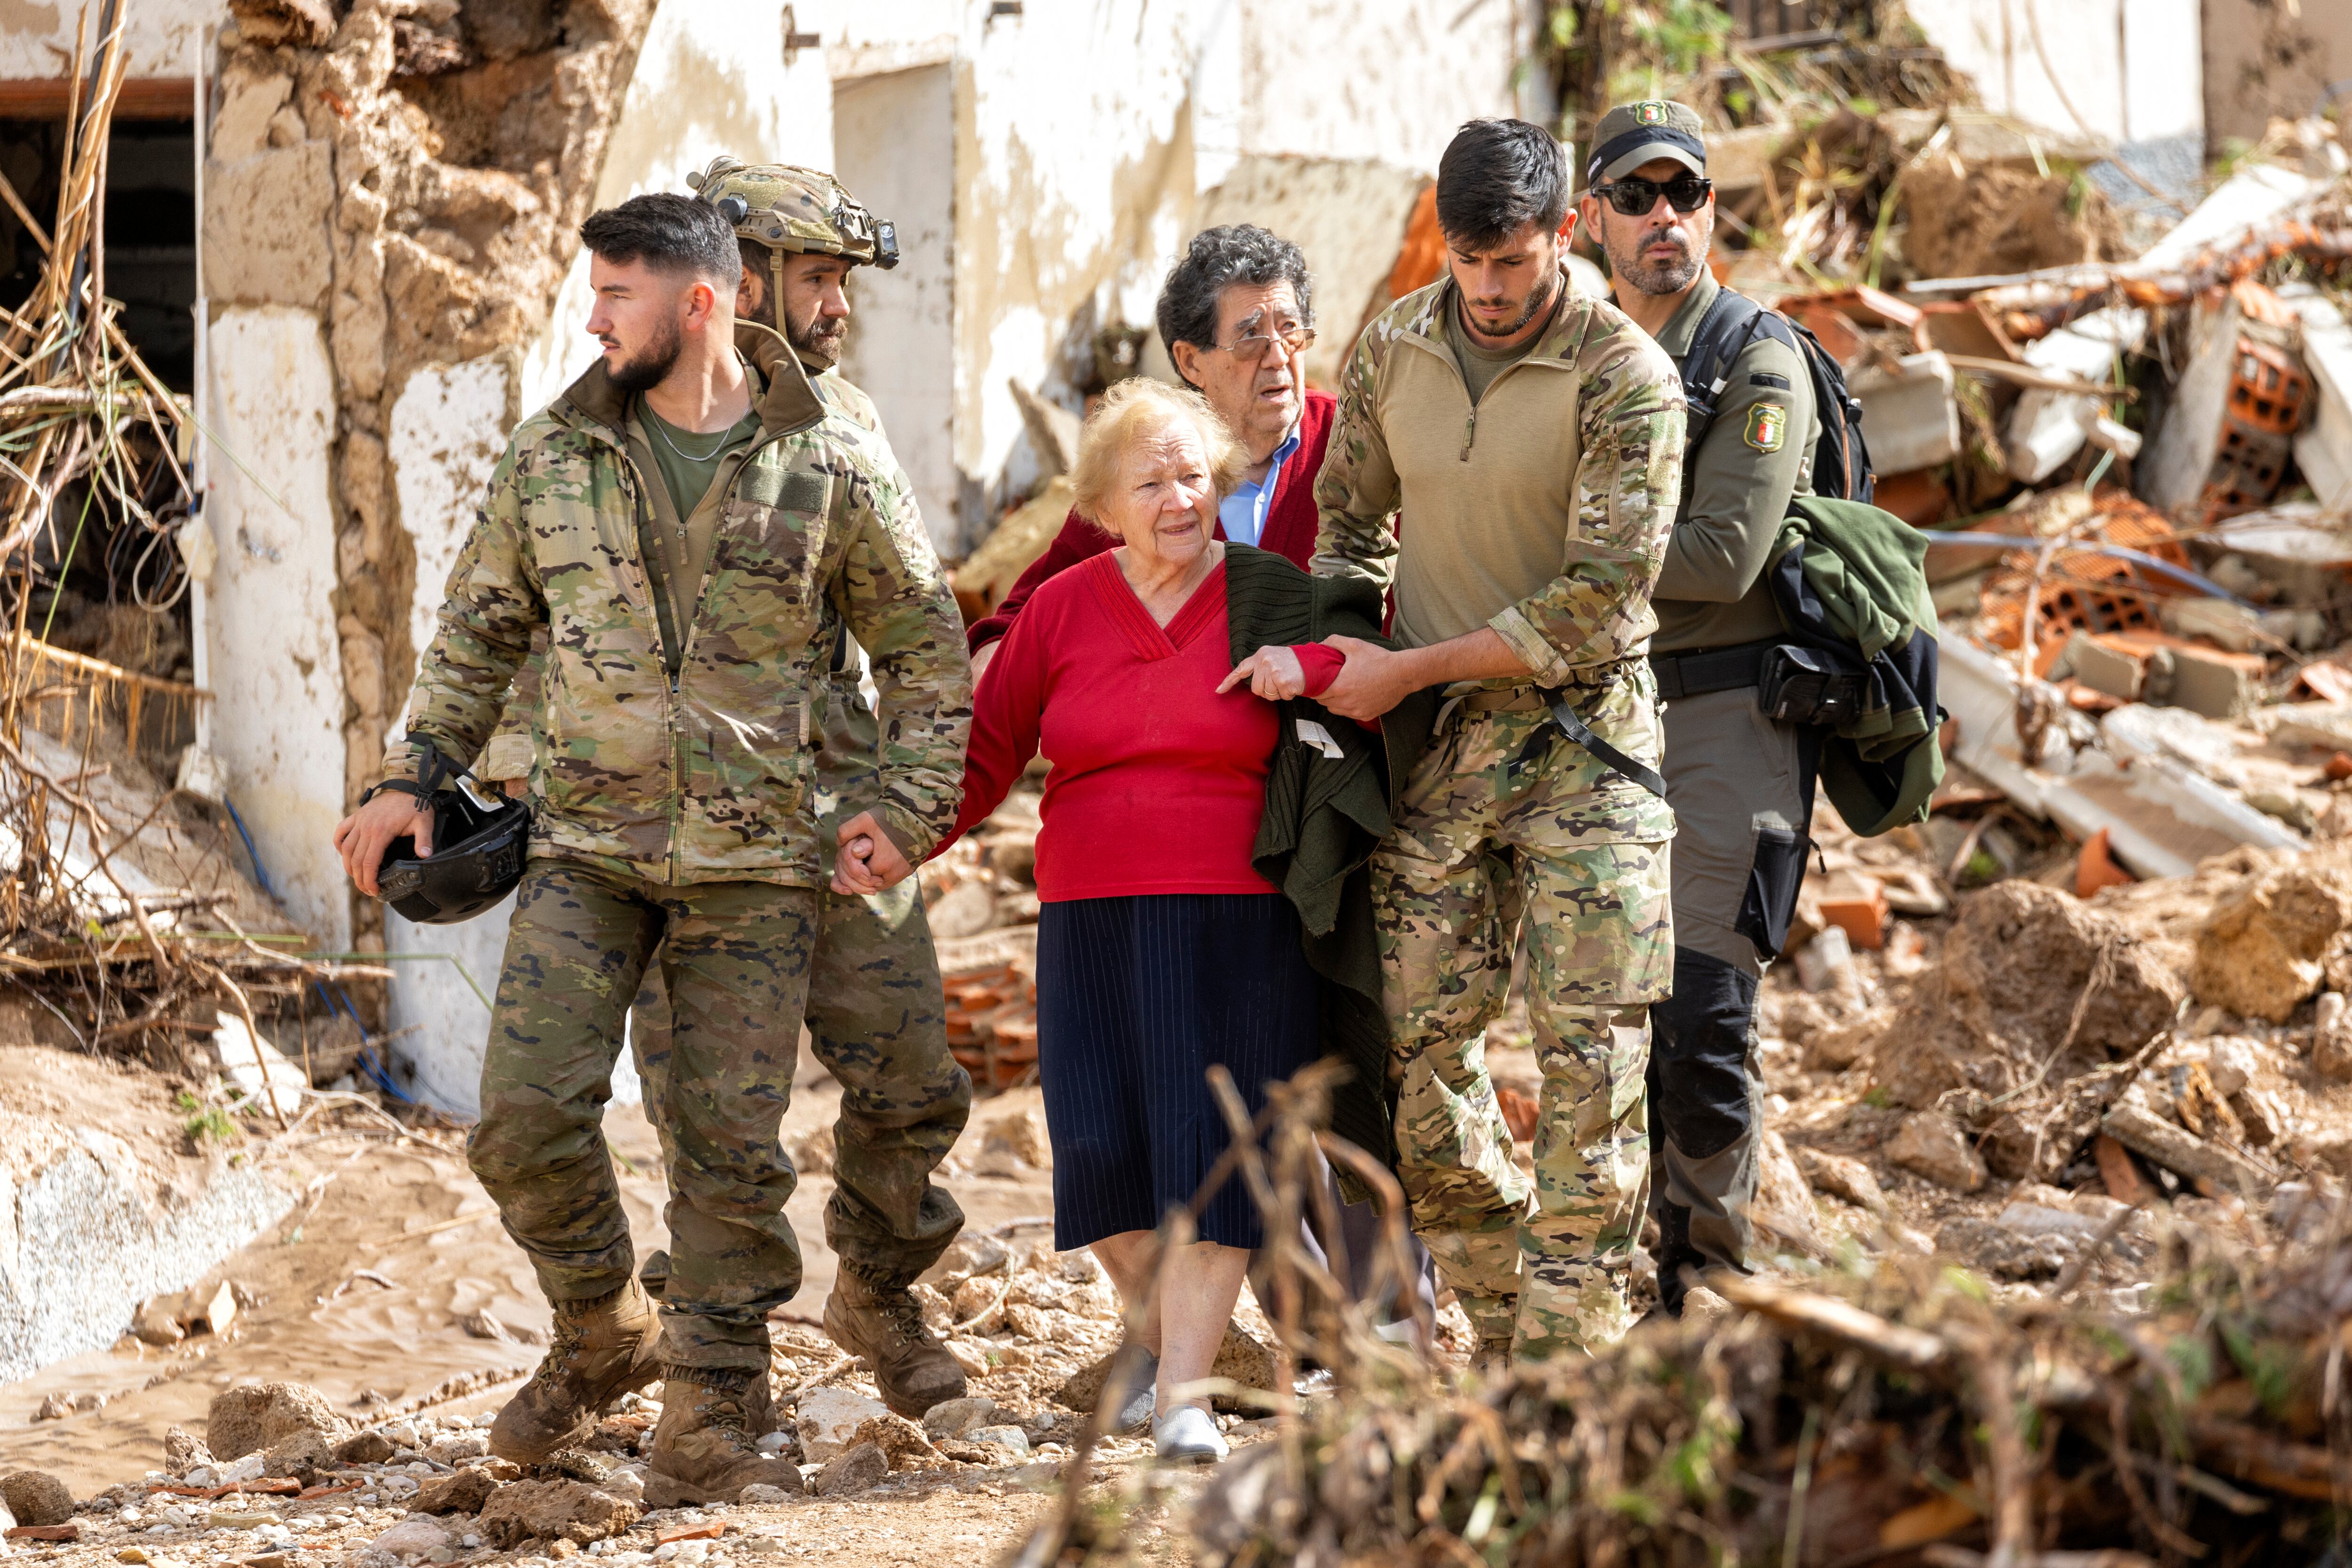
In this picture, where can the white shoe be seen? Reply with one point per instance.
(1188, 1434)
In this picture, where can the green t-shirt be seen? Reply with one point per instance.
(691, 461)
(1480, 366)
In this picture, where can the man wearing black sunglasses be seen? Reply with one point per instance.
(1741, 784)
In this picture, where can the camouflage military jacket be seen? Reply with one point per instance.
(1542, 510)
(710, 778)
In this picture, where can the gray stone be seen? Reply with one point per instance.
(957, 1416)
(759, 1491)
(1986, 1246)
(858, 1470)
(1009, 1437)
(828, 1419)
(365, 1449)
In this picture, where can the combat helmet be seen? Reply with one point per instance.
(787, 209)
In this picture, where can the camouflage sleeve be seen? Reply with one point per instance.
(509, 754)
(1630, 421)
(890, 590)
(1356, 493)
(492, 606)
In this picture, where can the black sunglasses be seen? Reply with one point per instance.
(1635, 198)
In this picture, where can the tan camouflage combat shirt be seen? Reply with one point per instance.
(1542, 511)
(710, 778)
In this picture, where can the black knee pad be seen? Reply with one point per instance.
(1698, 1056)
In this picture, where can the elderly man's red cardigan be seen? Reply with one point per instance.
(1290, 522)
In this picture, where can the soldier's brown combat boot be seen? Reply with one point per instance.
(604, 1349)
(703, 1448)
(883, 1324)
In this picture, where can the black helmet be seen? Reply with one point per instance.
(478, 845)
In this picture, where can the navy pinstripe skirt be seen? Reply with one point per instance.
(1136, 998)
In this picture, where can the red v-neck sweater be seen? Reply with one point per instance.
(1157, 782)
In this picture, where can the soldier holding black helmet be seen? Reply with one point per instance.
(691, 529)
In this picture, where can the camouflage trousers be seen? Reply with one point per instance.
(1499, 827)
(877, 1021)
(735, 958)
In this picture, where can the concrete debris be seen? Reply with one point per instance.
(904, 1443)
(1931, 1144)
(1842, 1177)
(552, 1510)
(828, 1419)
(2259, 955)
(244, 1421)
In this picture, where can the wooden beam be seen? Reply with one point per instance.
(144, 97)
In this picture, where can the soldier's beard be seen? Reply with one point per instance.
(1658, 278)
(1538, 301)
(647, 369)
(820, 339)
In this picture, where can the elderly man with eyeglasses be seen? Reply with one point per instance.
(1237, 315)
(1741, 784)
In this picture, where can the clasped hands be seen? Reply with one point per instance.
(1369, 684)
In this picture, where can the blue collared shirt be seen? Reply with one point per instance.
(1243, 513)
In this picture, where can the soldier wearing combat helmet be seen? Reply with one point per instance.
(688, 527)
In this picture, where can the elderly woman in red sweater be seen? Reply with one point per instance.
(1160, 951)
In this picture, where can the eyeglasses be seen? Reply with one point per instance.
(1294, 340)
(1635, 197)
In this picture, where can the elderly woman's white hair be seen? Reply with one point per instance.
(1127, 412)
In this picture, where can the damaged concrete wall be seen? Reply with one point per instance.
(393, 191)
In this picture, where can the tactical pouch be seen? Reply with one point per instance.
(1808, 686)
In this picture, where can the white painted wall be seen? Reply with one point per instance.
(2129, 70)
(894, 148)
(159, 36)
(449, 427)
(278, 727)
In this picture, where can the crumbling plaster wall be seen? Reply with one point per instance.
(159, 36)
(393, 191)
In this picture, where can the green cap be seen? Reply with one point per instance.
(785, 207)
(1632, 134)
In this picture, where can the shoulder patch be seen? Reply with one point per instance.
(1767, 428)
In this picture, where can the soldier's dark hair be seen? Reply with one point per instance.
(669, 233)
(1498, 176)
(1216, 260)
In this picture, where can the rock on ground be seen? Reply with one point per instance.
(1784, 1204)
(828, 1419)
(463, 1492)
(2260, 953)
(1931, 1144)
(955, 1417)
(409, 1538)
(34, 1497)
(1840, 1176)
(363, 1449)
(2018, 959)
(299, 1457)
(552, 1510)
(184, 1452)
(248, 1420)
(902, 1442)
(862, 1466)
(1998, 1250)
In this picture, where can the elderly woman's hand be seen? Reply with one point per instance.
(867, 862)
(1273, 673)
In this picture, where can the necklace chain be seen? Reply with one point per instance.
(661, 428)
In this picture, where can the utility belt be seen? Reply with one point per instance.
(1793, 685)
